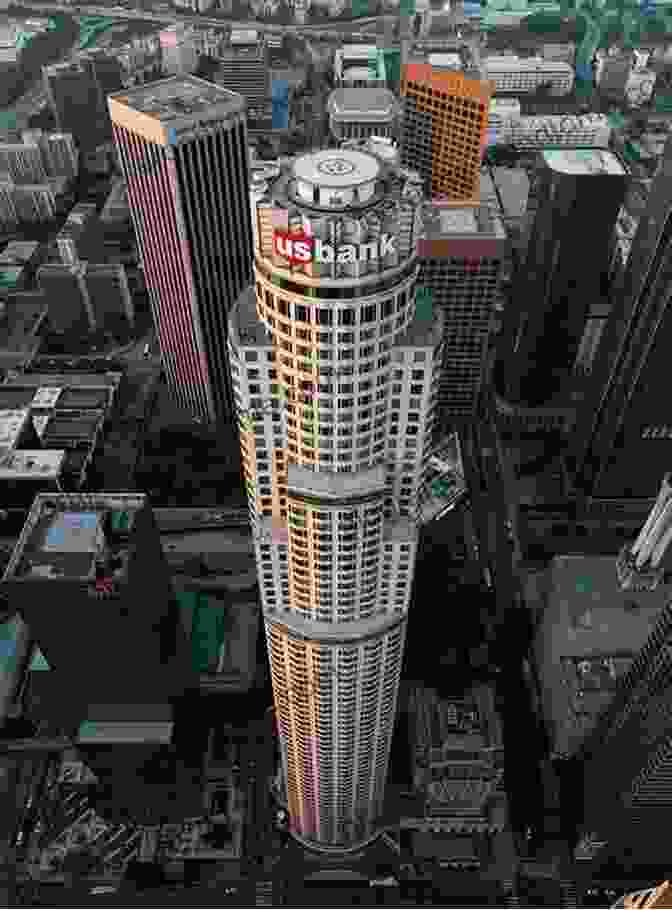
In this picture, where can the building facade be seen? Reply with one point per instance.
(359, 66)
(336, 378)
(66, 294)
(77, 93)
(623, 421)
(360, 113)
(243, 68)
(458, 760)
(182, 144)
(444, 129)
(109, 293)
(579, 194)
(178, 50)
(627, 806)
(98, 547)
(520, 75)
(462, 256)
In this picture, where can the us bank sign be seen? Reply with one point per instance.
(300, 247)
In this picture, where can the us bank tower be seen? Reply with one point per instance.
(336, 381)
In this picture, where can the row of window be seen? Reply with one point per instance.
(337, 315)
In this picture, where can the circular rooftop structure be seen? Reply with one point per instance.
(336, 177)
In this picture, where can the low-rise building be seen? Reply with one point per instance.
(520, 75)
(458, 775)
(359, 66)
(357, 113)
(242, 67)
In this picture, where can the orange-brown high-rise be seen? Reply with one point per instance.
(444, 129)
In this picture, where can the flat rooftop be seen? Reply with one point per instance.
(176, 97)
(29, 464)
(362, 102)
(583, 161)
(64, 535)
(12, 423)
(586, 617)
(461, 231)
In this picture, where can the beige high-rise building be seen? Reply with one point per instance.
(335, 376)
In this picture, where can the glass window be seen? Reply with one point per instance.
(369, 312)
(346, 317)
(301, 313)
(325, 316)
(251, 356)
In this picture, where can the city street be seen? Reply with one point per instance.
(176, 15)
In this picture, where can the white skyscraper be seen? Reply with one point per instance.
(336, 380)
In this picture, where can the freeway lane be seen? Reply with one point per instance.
(175, 16)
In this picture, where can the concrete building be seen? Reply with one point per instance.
(358, 113)
(23, 161)
(61, 155)
(67, 413)
(178, 49)
(34, 203)
(334, 473)
(79, 237)
(447, 158)
(579, 195)
(462, 254)
(9, 219)
(197, 6)
(165, 129)
(508, 127)
(621, 78)
(22, 252)
(109, 293)
(359, 66)
(242, 67)
(70, 306)
(521, 75)
(457, 756)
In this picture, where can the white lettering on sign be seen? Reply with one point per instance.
(299, 247)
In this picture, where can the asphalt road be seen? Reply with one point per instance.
(175, 15)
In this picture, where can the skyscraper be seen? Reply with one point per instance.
(628, 805)
(77, 93)
(89, 577)
(462, 256)
(624, 422)
(336, 382)
(182, 145)
(579, 196)
(444, 129)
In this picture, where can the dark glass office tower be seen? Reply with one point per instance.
(623, 439)
(579, 195)
(626, 763)
(182, 145)
(89, 577)
(77, 94)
